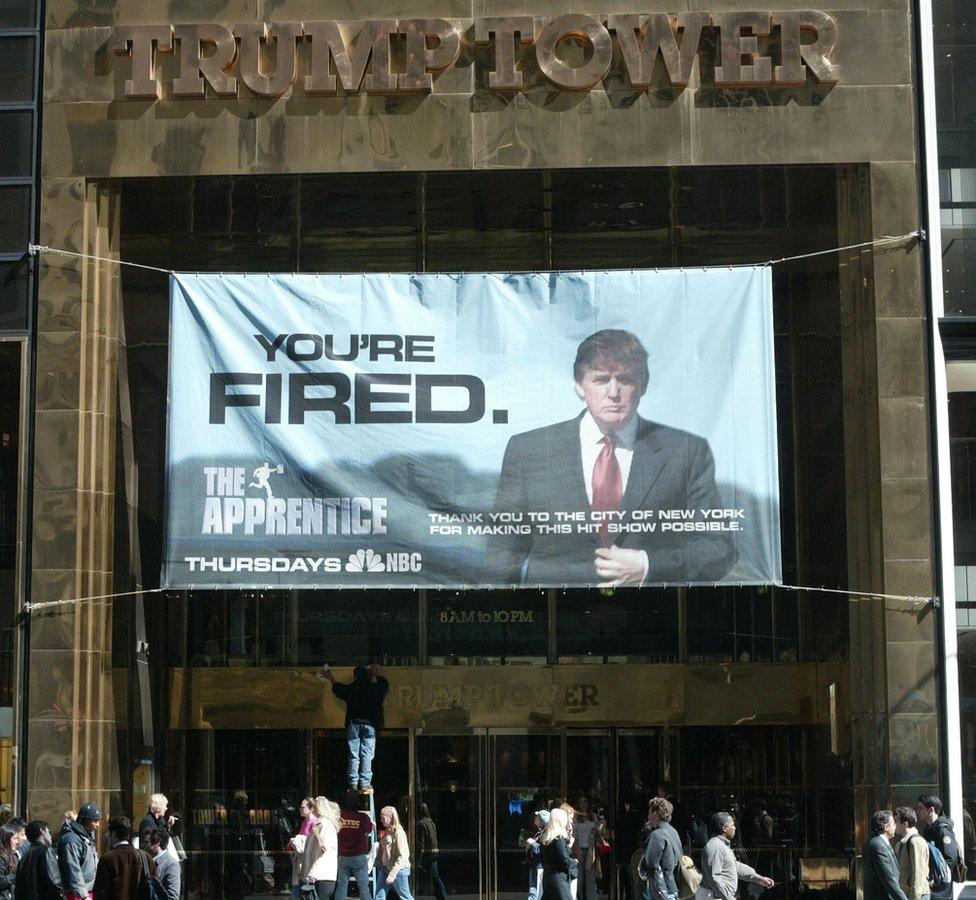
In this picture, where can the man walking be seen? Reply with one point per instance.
(721, 871)
(662, 852)
(77, 857)
(364, 718)
(879, 864)
(122, 870)
(938, 829)
(912, 853)
(167, 865)
(355, 830)
(37, 871)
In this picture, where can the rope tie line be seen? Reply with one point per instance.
(885, 240)
(47, 604)
(934, 602)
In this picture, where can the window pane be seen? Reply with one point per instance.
(14, 284)
(15, 148)
(482, 626)
(624, 624)
(711, 624)
(16, 67)
(14, 219)
(18, 13)
(350, 627)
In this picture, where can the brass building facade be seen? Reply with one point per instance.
(173, 136)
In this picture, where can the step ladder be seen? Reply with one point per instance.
(367, 804)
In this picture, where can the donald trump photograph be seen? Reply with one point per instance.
(619, 470)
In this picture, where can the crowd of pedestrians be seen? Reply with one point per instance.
(143, 865)
(913, 854)
(565, 851)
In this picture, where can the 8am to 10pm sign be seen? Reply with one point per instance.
(574, 428)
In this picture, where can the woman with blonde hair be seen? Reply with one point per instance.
(392, 857)
(574, 847)
(296, 846)
(558, 865)
(321, 861)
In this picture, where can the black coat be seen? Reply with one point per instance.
(149, 821)
(363, 699)
(6, 879)
(38, 877)
(558, 870)
(942, 834)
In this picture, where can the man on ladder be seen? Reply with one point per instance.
(364, 718)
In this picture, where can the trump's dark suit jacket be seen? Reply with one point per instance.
(543, 472)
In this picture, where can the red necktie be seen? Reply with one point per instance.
(607, 485)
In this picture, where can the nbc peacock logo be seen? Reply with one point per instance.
(365, 561)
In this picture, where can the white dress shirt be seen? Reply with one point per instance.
(591, 446)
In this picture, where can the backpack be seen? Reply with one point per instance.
(940, 877)
(149, 888)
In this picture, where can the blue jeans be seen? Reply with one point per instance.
(401, 884)
(349, 867)
(650, 893)
(535, 882)
(362, 745)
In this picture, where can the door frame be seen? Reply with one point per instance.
(487, 785)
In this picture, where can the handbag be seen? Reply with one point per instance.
(689, 879)
(264, 865)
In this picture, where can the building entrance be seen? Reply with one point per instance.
(482, 789)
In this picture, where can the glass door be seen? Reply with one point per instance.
(482, 787)
(450, 788)
(524, 776)
(587, 781)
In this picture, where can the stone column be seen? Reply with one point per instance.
(72, 727)
(894, 722)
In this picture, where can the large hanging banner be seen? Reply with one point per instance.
(572, 428)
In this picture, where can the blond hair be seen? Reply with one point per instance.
(557, 827)
(325, 809)
(158, 800)
(391, 813)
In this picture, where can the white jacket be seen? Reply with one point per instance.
(321, 861)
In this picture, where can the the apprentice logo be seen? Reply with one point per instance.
(365, 398)
(228, 509)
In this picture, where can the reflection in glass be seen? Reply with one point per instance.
(472, 627)
(526, 778)
(448, 781)
(626, 624)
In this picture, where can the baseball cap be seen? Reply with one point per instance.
(543, 815)
(89, 813)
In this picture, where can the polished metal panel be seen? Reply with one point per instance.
(142, 42)
(510, 33)
(198, 70)
(736, 44)
(422, 59)
(790, 72)
(584, 28)
(254, 36)
(507, 696)
(352, 52)
(641, 37)
(819, 54)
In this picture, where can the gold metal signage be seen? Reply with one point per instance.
(383, 56)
